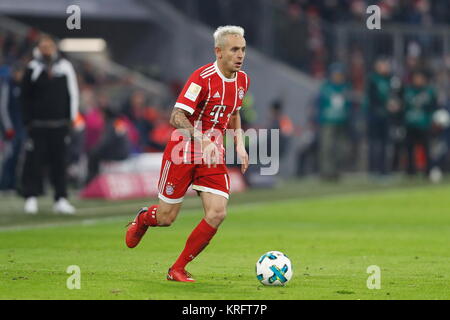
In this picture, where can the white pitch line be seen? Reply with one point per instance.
(93, 221)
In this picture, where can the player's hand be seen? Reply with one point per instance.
(210, 153)
(9, 134)
(243, 156)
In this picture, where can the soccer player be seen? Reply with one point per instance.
(209, 103)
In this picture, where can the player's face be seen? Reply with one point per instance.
(232, 54)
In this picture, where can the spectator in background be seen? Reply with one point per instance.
(333, 113)
(397, 131)
(162, 131)
(112, 145)
(357, 71)
(280, 121)
(10, 48)
(50, 100)
(143, 119)
(11, 119)
(413, 62)
(89, 75)
(378, 93)
(420, 102)
(94, 118)
(307, 156)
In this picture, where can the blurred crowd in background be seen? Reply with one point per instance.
(380, 108)
(400, 125)
(270, 24)
(425, 12)
(109, 126)
(317, 22)
(372, 113)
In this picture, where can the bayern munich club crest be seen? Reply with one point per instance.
(241, 93)
(169, 189)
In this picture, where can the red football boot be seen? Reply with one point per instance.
(136, 229)
(179, 275)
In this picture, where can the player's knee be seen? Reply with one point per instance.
(217, 215)
(166, 217)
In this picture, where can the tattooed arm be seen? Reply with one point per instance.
(179, 120)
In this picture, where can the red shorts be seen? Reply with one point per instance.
(175, 179)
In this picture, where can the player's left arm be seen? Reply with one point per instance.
(235, 124)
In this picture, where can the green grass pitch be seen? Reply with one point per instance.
(330, 239)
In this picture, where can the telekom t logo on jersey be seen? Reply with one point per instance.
(216, 112)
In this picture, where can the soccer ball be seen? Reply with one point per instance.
(274, 269)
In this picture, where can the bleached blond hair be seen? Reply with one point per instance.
(221, 32)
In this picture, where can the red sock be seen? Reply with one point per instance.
(150, 216)
(196, 242)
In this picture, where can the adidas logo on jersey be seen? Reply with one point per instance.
(217, 95)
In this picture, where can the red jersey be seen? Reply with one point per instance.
(211, 98)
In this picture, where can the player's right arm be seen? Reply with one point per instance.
(187, 102)
(179, 120)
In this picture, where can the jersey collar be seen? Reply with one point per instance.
(222, 76)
